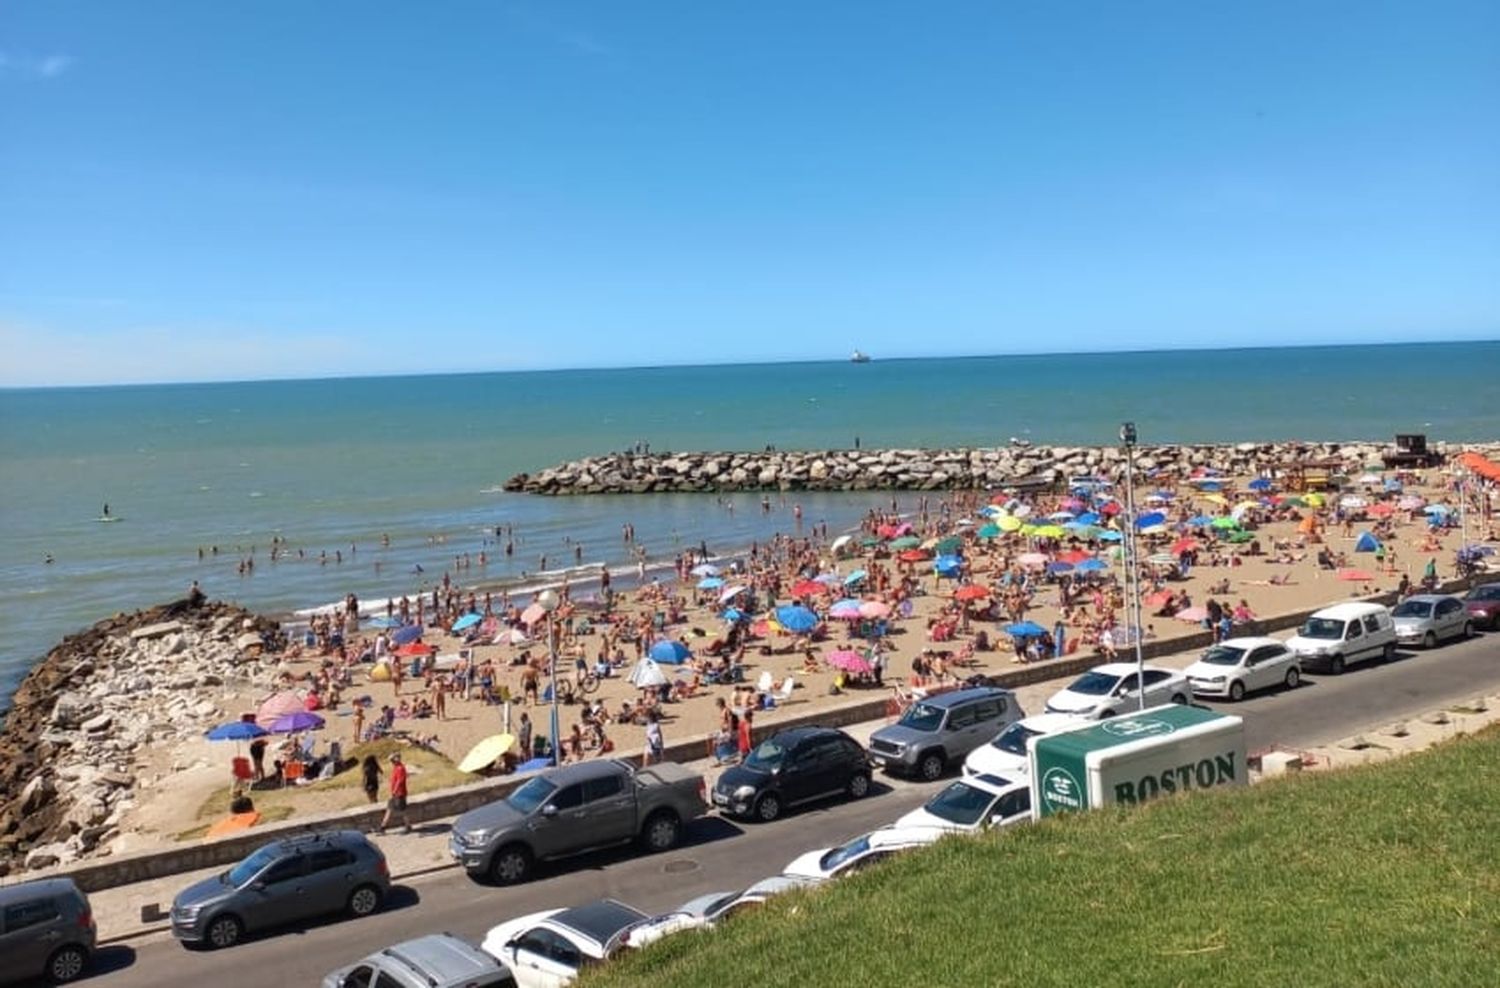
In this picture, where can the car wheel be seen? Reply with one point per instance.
(1336, 665)
(510, 865)
(66, 964)
(931, 766)
(1236, 691)
(1293, 677)
(1179, 698)
(1106, 715)
(364, 900)
(859, 786)
(768, 807)
(1468, 630)
(225, 931)
(662, 831)
(1429, 640)
(1389, 653)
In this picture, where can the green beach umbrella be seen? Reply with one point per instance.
(989, 531)
(869, 541)
(906, 542)
(1239, 537)
(1225, 521)
(949, 546)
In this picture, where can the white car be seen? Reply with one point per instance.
(546, 949)
(708, 911)
(973, 804)
(862, 851)
(1111, 689)
(1006, 755)
(1236, 666)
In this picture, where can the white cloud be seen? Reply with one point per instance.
(35, 67)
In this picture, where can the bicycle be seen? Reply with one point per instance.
(567, 690)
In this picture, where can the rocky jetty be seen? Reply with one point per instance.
(1019, 463)
(69, 745)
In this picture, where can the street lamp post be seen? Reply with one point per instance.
(548, 602)
(1132, 559)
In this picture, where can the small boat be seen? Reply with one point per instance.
(859, 357)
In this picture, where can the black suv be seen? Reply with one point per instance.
(791, 767)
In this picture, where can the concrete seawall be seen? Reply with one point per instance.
(929, 469)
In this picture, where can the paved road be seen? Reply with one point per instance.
(722, 855)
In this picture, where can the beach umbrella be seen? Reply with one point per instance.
(705, 569)
(1369, 478)
(947, 565)
(414, 649)
(466, 622)
(1147, 520)
(1382, 510)
(1184, 545)
(874, 609)
(647, 674)
(1162, 559)
(1024, 629)
(406, 634)
(1111, 536)
(1033, 560)
(1216, 499)
(487, 752)
(1074, 556)
(236, 730)
(1019, 510)
(808, 588)
(1192, 614)
(1198, 521)
(278, 705)
(1157, 599)
(1061, 516)
(849, 661)
(893, 531)
(857, 577)
(670, 651)
(914, 556)
(297, 720)
(989, 531)
(1073, 504)
(1049, 532)
(1356, 575)
(1313, 499)
(1225, 521)
(845, 610)
(1352, 501)
(1154, 530)
(949, 546)
(906, 542)
(732, 592)
(533, 614)
(732, 614)
(796, 619)
(1059, 567)
(1087, 518)
(829, 579)
(384, 622)
(1092, 566)
(710, 583)
(1010, 523)
(1237, 538)
(1260, 484)
(869, 542)
(1410, 502)
(1295, 501)
(1438, 509)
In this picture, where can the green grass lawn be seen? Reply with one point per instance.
(1386, 875)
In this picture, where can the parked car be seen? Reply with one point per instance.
(942, 729)
(1426, 619)
(708, 911)
(1110, 689)
(1236, 666)
(975, 803)
(861, 852)
(547, 949)
(793, 767)
(1341, 635)
(573, 809)
(46, 930)
(287, 880)
(1006, 755)
(440, 960)
(1483, 605)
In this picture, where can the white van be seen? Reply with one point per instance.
(1344, 634)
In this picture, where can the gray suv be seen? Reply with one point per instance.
(941, 730)
(285, 881)
(46, 930)
(440, 960)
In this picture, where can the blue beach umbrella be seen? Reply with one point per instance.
(466, 622)
(1092, 566)
(670, 651)
(406, 634)
(710, 583)
(1087, 518)
(1260, 484)
(1147, 520)
(858, 576)
(796, 619)
(732, 614)
(1110, 536)
(237, 730)
(1437, 509)
(1059, 567)
(947, 565)
(1024, 629)
(1199, 520)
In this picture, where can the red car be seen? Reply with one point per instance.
(1483, 605)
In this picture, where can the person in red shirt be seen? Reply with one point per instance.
(744, 738)
(397, 803)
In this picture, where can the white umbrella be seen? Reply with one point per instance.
(841, 541)
(731, 592)
(647, 674)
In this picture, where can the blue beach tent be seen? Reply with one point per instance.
(1367, 543)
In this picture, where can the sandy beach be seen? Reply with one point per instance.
(1267, 563)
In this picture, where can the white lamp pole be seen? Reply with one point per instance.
(1133, 563)
(547, 600)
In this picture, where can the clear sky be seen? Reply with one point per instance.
(203, 190)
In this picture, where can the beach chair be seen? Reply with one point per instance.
(765, 683)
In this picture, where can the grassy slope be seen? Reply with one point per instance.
(1388, 875)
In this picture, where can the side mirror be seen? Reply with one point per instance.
(996, 820)
(549, 810)
(257, 886)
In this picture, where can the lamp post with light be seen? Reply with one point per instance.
(1132, 558)
(547, 601)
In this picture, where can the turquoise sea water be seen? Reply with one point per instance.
(334, 463)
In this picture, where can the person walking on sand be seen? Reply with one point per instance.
(359, 724)
(655, 746)
(396, 805)
(370, 768)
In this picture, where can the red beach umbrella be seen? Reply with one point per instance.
(971, 591)
(808, 588)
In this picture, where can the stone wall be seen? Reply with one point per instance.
(925, 469)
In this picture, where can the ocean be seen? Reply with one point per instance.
(332, 466)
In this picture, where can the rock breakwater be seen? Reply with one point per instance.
(68, 751)
(921, 469)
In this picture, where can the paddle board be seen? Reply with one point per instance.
(107, 518)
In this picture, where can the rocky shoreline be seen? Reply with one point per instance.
(1019, 463)
(68, 751)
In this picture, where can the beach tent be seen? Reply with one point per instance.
(1367, 543)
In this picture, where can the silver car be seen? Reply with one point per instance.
(46, 929)
(941, 730)
(1426, 619)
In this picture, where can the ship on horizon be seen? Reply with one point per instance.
(859, 357)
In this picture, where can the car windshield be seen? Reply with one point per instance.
(532, 794)
(1224, 655)
(845, 852)
(922, 717)
(961, 803)
(1094, 684)
(720, 904)
(767, 756)
(251, 866)
(1013, 739)
(1413, 608)
(1322, 628)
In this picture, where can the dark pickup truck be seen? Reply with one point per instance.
(574, 809)
(1410, 452)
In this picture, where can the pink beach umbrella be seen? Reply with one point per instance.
(1033, 560)
(874, 609)
(845, 610)
(1192, 614)
(849, 661)
(533, 614)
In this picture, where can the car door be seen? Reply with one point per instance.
(1271, 663)
(533, 959)
(330, 879)
(1012, 808)
(28, 935)
(1126, 693)
(804, 773)
(1453, 618)
(963, 720)
(278, 894)
(559, 826)
(1158, 687)
(609, 804)
(989, 720)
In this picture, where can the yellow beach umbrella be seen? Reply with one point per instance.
(1048, 531)
(1009, 523)
(1313, 500)
(486, 752)
(1215, 498)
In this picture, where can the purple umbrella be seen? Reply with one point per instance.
(302, 720)
(407, 634)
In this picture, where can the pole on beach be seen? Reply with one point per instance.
(1132, 562)
(547, 599)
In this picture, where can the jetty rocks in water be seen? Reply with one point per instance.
(67, 751)
(1020, 463)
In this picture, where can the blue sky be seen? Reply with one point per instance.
(197, 191)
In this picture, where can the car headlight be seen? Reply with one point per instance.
(189, 913)
(474, 836)
(1215, 679)
(744, 792)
